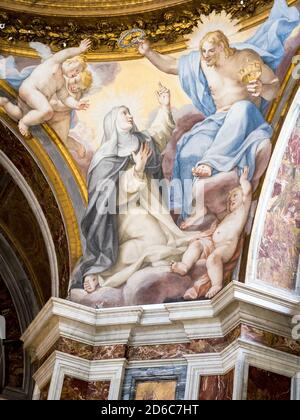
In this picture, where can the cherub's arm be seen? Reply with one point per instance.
(57, 105)
(246, 185)
(70, 102)
(268, 84)
(64, 55)
(163, 125)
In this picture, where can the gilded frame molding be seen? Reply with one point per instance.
(167, 25)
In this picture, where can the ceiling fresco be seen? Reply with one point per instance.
(109, 121)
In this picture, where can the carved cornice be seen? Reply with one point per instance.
(89, 7)
(99, 8)
(166, 25)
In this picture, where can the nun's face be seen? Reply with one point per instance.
(124, 120)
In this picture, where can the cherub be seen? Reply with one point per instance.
(224, 239)
(77, 87)
(46, 80)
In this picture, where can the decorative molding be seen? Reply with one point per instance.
(157, 363)
(236, 304)
(98, 8)
(60, 365)
(86, 325)
(2, 328)
(207, 364)
(239, 356)
(239, 376)
(295, 391)
(43, 375)
(165, 23)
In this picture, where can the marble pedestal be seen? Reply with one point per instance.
(238, 346)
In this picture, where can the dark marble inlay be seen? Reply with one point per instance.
(86, 351)
(264, 385)
(77, 389)
(44, 392)
(268, 339)
(173, 351)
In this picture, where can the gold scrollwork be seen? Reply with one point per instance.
(166, 26)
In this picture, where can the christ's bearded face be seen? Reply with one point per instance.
(211, 53)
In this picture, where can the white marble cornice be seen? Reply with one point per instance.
(162, 324)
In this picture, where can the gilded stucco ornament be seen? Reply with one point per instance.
(162, 26)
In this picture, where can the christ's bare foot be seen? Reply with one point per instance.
(3, 101)
(179, 268)
(213, 291)
(202, 171)
(24, 130)
(90, 284)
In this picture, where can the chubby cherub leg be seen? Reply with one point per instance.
(90, 283)
(189, 259)
(24, 129)
(12, 110)
(41, 109)
(215, 271)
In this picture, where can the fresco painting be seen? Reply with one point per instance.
(279, 265)
(172, 148)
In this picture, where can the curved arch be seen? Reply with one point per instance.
(45, 150)
(26, 308)
(267, 191)
(38, 212)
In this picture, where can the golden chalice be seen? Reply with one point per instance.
(251, 72)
